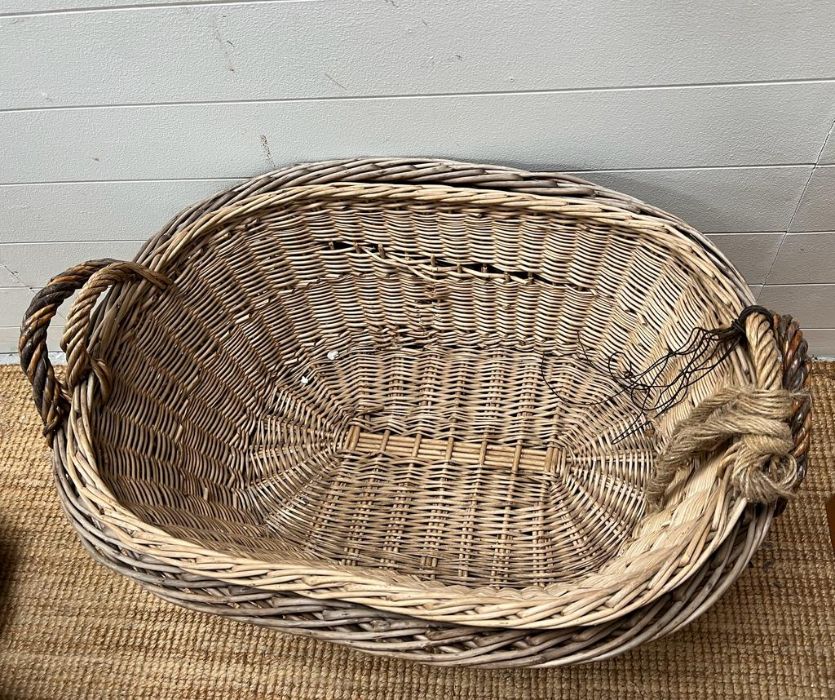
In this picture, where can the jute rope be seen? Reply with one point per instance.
(763, 468)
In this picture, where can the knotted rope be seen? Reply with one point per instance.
(763, 467)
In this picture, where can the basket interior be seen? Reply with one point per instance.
(404, 385)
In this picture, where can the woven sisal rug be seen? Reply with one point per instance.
(71, 629)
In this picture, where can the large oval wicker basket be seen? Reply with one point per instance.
(391, 389)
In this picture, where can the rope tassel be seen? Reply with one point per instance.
(764, 468)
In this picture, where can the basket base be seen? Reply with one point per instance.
(460, 511)
(461, 465)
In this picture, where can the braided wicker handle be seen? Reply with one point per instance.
(795, 354)
(93, 277)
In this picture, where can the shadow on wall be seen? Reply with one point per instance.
(674, 200)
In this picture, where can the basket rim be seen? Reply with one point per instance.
(457, 173)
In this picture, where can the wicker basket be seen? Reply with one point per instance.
(376, 366)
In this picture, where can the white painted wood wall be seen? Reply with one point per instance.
(114, 114)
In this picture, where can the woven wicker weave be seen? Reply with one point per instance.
(412, 365)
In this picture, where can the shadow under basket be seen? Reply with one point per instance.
(459, 403)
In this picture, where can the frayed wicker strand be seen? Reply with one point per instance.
(763, 467)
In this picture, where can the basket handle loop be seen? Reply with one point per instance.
(51, 395)
(763, 328)
(759, 328)
(77, 332)
(770, 420)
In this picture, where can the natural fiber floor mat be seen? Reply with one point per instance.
(72, 629)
